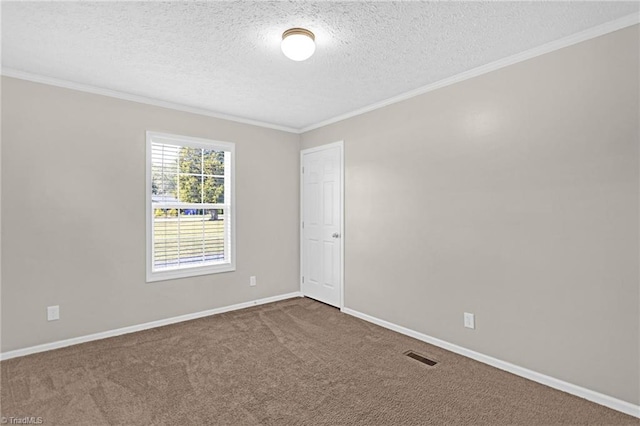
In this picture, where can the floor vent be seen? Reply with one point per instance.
(418, 357)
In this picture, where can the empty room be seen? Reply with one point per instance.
(320, 213)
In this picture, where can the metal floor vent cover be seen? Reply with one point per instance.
(422, 359)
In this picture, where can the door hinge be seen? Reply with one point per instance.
(303, 170)
(302, 279)
(303, 224)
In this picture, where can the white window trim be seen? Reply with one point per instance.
(190, 271)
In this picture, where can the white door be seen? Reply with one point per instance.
(321, 227)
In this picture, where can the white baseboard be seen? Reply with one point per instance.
(145, 326)
(593, 396)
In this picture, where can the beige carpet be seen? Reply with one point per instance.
(286, 363)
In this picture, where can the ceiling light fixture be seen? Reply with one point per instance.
(298, 44)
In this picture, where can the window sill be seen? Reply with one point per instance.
(189, 272)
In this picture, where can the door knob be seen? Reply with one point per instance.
(336, 235)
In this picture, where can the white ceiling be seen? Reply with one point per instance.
(224, 57)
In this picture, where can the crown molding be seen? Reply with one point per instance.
(607, 27)
(36, 78)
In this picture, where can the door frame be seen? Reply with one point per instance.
(339, 144)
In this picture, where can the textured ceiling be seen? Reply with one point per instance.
(225, 56)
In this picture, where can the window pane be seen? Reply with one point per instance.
(190, 188)
(165, 241)
(163, 187)
(213, 190)
(164, 168)
(165, 157)
(215, 235)
(188, 236)
(191, 237)
(213, 162)
(190, 160)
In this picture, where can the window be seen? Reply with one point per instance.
(190, 207)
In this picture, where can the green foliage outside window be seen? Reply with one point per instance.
(197, 176)
(201, 175)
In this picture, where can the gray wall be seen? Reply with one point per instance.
(514, 196)
(73, 214)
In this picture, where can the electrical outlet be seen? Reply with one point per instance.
(53, 313)
(252, 281)
(469, 320)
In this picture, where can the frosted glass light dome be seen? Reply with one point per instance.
(298, 44)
